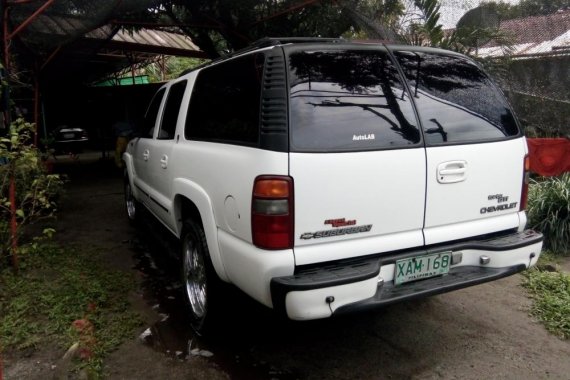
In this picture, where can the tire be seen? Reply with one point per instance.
(200, 282)
(132, 206)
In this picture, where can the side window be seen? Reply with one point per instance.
(171, 109)
(456, 101)
(225, 102)
(151, 114)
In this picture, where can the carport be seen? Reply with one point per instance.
(55, 48)
(56, 51)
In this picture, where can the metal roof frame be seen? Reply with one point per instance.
(53, 45)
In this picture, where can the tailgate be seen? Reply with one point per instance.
(355, 204)
(357, 159)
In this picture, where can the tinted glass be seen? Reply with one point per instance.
(225, 102)
(456, 101)
(170, 115)
(348, 101)
(151, 114)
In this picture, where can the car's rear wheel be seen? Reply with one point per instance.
(200, 280)
(131, 204)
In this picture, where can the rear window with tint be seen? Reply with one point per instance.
(348, 101)
(456, 101)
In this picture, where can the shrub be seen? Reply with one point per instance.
(36, 190)
(549, 211)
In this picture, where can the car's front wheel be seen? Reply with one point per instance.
(200, 280)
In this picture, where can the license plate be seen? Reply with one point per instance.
(68, 135)
(421, 267)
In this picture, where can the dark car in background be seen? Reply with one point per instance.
(70, 139)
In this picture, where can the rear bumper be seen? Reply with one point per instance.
(71, 145)
(363, 283)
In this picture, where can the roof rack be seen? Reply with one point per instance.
(267, 42)
(274, 41)
(271, 41)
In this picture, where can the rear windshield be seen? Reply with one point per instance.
(348, 101)
(456, 101)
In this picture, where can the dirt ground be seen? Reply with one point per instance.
(476, 333)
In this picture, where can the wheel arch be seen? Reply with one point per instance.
(128, 161)
(192, 202)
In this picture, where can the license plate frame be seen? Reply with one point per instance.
(69, 136)
(421, 267)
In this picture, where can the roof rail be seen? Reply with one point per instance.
(273, 41)
(267, 42)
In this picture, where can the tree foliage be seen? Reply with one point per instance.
(170, 68)
(225, 25)
(427, 31)
(220, 26)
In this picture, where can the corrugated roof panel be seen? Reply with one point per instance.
(494, 51)
(497, 51)
(153, 37)
(562, 40)
(184, 41)
(532, 35)
(171, 40)
(150, 37)
(85, 51)
(124, 36)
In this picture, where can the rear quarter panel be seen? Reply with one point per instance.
(225, 174)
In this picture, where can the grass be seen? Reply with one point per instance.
(63, 296)
(550, 292)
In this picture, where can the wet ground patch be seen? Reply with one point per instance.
(244, 325)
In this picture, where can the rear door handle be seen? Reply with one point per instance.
(452, 172)
(445, 172)
(164, 161)
(146, 155)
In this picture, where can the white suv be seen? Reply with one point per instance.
(323, 176)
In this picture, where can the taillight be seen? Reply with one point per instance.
(524, 192)
(272, 222)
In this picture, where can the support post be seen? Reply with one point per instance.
(36, 104)
(5, 35)
(7, 120)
